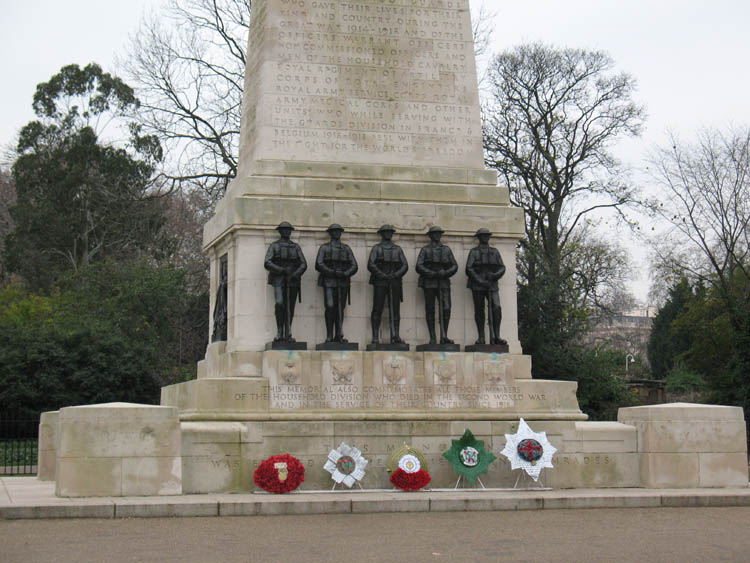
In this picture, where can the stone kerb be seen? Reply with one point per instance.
(118, 449)
(689, 445)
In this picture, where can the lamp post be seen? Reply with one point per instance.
(629, 359)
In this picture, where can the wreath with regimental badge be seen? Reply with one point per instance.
(279, 474)
(408, 469)
(469, 457)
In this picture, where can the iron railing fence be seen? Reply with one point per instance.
(18, 444)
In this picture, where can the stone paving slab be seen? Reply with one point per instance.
(28, 498)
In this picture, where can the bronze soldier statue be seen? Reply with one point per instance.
(484, 267)
(220, 304)
(387, 265)
(435, 266)
(336, 264)
(285, 264)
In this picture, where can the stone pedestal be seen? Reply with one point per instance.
(690, 445)
(118, 449)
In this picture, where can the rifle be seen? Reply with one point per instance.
(390, 311)
(288, 318)
(489, 315)
(443, 329)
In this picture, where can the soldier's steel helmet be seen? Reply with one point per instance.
(387, 228)
(482, 231)
(435, 229)
(335, 227)
(284, 225)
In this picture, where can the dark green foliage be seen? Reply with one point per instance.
(107, 334)
(706, 344)
(78, 199)
(681, 379)
(664, 345)
(599, 373)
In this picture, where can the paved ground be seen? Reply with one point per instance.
(657, 534)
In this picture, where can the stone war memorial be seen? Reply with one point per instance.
(352, 266)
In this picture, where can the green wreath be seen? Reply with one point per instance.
(468, 456)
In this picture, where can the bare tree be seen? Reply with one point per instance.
(550, 120)
(188, 66)
(548, 129)
(706, 205)
(482, 23)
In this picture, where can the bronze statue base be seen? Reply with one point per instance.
(388, 347)
(347, 346)
(439, 348)
(286, 345)
(488, 348)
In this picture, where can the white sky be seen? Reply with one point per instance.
(690, 57)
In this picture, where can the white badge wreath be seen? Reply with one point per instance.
(528, 450)
(346, 465)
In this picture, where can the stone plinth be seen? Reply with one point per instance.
(222, 456)
(689, 445)
(47, 446)
(347, 385)
(118, 449)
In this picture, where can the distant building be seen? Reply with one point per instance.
(628, 331)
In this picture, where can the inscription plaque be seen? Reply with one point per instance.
(363, 81)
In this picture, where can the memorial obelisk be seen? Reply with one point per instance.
(362, 113)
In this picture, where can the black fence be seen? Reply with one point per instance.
(18, 445)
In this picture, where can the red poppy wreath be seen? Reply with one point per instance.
(280, 474)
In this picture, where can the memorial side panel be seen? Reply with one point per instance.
(367, 81)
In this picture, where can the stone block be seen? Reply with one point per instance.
(151, 476)
(687, 445)
(212, 474)
(723, 469)
(47, 446)
(118, 449)
(89, 477)
(118, 430)
(609, 437)
(225, 396)
(680, 411)
(678, 436)
(670, 470)
(594, 470)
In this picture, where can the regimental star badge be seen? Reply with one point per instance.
(346, 465)
(468, 456)
(528, 450)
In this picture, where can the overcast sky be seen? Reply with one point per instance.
(691, 58)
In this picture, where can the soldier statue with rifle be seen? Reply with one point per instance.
(435, 266)
(336, 265)
(387, 266)
(484, 267)
(285, 264)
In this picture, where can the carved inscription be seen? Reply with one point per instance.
(395, 396)
(349, 80)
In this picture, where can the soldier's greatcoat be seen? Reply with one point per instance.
(484, 264)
